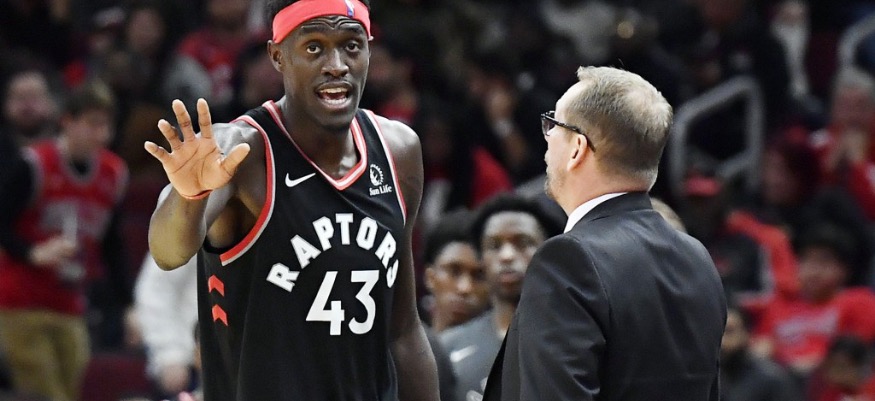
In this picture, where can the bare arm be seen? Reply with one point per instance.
(414, 361)
(199, 174)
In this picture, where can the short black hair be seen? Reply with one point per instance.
(513, 202)
(830, 236)
(452, 227)
(91, 95)
(853, 347)
(273, 7)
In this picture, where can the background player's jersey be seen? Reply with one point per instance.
(300, 308)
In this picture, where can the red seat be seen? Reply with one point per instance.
(112, 376)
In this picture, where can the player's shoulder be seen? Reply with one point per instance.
(230, 134)
(398, 135)
(462, 335)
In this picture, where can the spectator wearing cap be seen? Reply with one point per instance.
(755, 260)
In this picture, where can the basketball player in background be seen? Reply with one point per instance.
(300, 212)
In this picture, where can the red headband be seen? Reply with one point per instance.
(296, 13)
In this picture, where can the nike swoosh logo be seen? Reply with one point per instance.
(290, 182)
(463, 353)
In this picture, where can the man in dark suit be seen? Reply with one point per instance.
(621, 306)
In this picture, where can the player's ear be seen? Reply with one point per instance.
(276, 56)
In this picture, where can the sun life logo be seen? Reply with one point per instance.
(376, 175)
(377, 186)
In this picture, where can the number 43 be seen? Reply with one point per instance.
(336, 315)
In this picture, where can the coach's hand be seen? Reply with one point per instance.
(195, 165)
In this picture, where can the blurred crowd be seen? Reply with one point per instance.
(84, 83)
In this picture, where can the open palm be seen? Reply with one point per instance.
(195, 164)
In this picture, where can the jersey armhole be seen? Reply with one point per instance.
(389, 156)
(231, 254)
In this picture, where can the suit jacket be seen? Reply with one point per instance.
(622, 307)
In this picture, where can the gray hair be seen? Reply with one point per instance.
(630, 121)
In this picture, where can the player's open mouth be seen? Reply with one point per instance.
(334, 97)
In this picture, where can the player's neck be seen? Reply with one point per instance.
(334, 151)
(502, 316)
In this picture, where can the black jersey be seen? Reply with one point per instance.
(300, 308)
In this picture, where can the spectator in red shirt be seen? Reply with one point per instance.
(206, 58)
(845, 147)
(796, 332)
(755, 260)
(61, 250)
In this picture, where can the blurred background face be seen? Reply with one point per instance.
(262, 81)
(840, 370)
(87, 133)
(437, 142)
(145, 31)
(458, 282)
(853, 108)
(735, 337)
(28, 104)
(780, 186)
(385, 73)
(719, 14)
(509, 241)
(704, 216)
(228, 13)
(821, 273)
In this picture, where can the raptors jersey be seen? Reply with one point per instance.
(300, 309)
(64, 203)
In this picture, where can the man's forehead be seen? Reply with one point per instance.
(510, 222)
(331, 22)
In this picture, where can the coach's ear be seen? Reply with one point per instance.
(578, 152)
(276, 56)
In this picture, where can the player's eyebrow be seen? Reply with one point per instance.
(325, 25)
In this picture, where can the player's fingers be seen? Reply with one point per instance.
(183, 119)
(169, 134)
(233, 159)
(185, 397)
(157, 151)
(204, 119)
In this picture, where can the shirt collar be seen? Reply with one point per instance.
(586, 207)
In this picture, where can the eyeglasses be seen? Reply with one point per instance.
(548, 121)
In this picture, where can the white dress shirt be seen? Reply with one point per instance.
(584, 208)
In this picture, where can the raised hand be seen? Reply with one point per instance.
(195, 165)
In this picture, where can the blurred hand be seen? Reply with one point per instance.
(173, 379)
(195, 164)
(53, 252)
(855, 145)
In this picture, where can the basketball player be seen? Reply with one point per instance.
(302, 210)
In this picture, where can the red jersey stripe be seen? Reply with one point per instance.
(266, 209)
(391, 158)
(353, 174)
